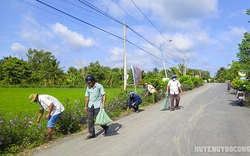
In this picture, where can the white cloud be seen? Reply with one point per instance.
(182, 42)
(137, 58)
(233, 34)
(17, 47)
(35, 34)
(71, 38)
(116, 57)
(173, 14)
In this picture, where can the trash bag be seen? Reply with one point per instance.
(102, 118)
(166, 103)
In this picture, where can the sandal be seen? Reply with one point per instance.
(89, 137)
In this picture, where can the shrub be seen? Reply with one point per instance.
(69, 121)
(197, 81)
(183, 79)
(237, 83)
(189, 84)
(19, 132)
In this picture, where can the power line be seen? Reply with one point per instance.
(91, 24)
(152, 23)
(143, 28)
(116, 20)
(95, 27)
(134, 19)
(148, 19)
(100, 11)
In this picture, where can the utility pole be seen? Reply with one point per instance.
(160, 48)
(185, 65)
(124, 57)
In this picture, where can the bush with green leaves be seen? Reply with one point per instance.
(20, 132)
(117, 104)
(197, 81)
(238, 83)
(189, 84)
(71, 119)
(183, 79)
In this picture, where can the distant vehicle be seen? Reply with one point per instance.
(240, 95)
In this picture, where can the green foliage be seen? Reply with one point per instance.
(44, 67)
(75, 77)
(14, 70)
(157, 83)
(197, 81)
(187, 85)
(70, 120)
(117, 104)
(19, 132)
(183, 79)
(238, 83)
(190, 83)
(97, 70)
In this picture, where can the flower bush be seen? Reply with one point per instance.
(19, 132)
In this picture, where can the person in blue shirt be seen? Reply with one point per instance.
(95, 99)
(134, 101)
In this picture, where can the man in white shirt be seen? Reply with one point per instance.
(174, 88)
(52, 106)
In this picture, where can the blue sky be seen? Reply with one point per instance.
(207, 32)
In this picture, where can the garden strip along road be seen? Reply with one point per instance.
(209, 118)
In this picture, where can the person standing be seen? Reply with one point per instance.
(52, 105)
(174, 88)
(150, 90)
(228, 85)
(134, 101)
(95, 98)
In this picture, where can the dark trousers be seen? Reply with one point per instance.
(92, 113)
(176, 98)
(135, 107)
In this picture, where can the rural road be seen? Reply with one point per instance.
(209, 118)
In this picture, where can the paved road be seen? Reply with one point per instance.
(209, 118)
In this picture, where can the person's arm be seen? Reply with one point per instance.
(129, 103)
(39, 116)
(146, 93)
(51, 106)
(103, 100)
(167, 89)
(86, 104)
(180, 90)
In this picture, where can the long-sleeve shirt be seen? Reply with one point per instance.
(136, 98)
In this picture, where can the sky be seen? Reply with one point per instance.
(205, 33)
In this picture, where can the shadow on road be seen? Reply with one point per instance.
(113, 129)
(236, 103)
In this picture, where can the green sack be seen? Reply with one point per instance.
(102, 118)
(166, 103)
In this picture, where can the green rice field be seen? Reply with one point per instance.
(15, 100)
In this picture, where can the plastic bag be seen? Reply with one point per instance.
(102, 118)
(166, 103)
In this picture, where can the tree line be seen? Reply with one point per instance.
(43, 69)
